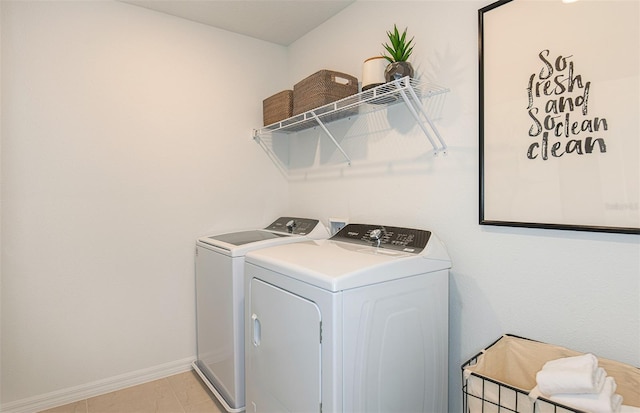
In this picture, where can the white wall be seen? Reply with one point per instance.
(577, 289)
(1, 116)
(125, 135)
(121, 127)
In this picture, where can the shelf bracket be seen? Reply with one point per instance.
(413, 109)
(274, 158)
(322, 125)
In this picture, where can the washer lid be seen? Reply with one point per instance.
(337, 265)
(237, 244)
(281, 231)
(242, 237)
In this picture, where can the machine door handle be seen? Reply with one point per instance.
(256, 330)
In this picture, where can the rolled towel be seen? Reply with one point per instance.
(598, 405)
(603, 402)
(586, 360)
(579, 374)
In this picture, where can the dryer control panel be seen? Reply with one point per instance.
(383, 236)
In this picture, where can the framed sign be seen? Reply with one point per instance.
(560, 114)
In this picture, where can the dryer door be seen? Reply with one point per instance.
(283, 351)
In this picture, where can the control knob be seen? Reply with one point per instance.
(291, 225)
(375, 235)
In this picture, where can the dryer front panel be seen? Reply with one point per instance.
(396, 346)
(283, 351)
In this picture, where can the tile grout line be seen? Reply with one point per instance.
(173, 391)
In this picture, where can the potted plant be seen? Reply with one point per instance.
(397, 53)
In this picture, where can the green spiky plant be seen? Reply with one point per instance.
(400, 49)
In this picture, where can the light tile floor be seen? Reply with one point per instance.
(181, 393)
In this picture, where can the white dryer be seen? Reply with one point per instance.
(355, 323)
(220, 301)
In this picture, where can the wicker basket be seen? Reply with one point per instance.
(277, 107)
(321, 88)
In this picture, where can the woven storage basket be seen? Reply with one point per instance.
(277, 107)
(321, 88)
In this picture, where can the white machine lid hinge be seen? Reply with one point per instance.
(320, 332)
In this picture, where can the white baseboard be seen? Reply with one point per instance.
(96, 388)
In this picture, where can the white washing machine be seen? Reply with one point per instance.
(355, 323)
(220, 301)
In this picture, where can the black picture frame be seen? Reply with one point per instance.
(545, 67)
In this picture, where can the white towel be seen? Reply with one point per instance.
(606, 401)
(579, 374)
(586, 360)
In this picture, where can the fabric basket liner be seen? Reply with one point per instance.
(510, 365)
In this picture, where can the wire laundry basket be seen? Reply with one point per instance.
(500, 377)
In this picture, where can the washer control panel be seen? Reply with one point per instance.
(290, 225)
(382, 236)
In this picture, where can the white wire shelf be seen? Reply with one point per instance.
(407, 90)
